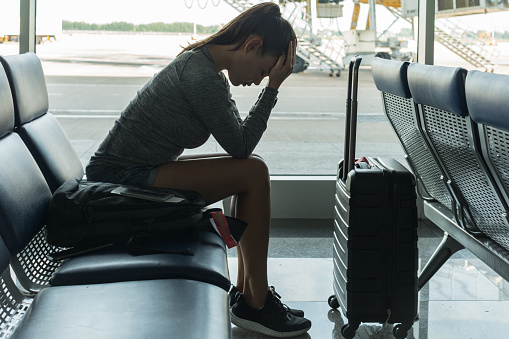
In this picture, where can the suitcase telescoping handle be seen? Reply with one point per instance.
(351, 116)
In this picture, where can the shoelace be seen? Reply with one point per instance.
(283, 308)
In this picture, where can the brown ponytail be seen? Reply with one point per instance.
(263, 20)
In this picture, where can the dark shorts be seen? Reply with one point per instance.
(139, 175)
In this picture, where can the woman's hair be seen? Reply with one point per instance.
(263, 20)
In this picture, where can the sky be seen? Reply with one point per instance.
(216, 12)
(146, 11)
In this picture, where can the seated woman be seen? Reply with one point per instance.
(179, 108)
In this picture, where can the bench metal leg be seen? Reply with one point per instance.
(445, 250)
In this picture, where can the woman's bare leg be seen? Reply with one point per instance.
(233, 213)
(240, 266)
(218, 177)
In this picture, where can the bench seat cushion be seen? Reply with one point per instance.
(390, 76)
(208, 264)
(439, 87)
(487, 99)
(141, 309)
(52, 150)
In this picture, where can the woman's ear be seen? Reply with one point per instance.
(253, 45)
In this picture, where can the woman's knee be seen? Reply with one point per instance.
(259, 169)
(256, 155)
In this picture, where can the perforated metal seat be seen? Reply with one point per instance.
(488, 105)
(13, 304)
(133, 309)
(173, 308)
(38, 129)
(440, 93)
(390, 78)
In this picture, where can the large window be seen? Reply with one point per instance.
(9, 27)
(97, 54)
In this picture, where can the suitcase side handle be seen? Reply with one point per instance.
(351, 116)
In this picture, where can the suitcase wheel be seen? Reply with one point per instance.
(400, 331)
(333, 302)
(348, 331)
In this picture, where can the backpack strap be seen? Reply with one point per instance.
(76, 251)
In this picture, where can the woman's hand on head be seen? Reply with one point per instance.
(283, 67)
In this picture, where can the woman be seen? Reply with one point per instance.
(180, 108)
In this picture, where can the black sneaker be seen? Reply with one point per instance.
(234, 296)
(233, 293)
(293, 311)
(272, 319)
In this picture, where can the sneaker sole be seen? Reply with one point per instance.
(253, 326)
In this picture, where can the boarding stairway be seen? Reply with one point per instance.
(323, 51)
(462, 50)
(480, 57)
(478, 53)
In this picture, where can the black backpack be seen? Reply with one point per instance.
(89, 215)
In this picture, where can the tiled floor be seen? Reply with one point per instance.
(465, 299)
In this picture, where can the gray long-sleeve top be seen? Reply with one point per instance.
(179, 108)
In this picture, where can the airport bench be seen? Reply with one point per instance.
(108, 294)
(451, 126)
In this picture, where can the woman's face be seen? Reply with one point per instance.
(250, 68)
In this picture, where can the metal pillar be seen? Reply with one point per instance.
(27, 37)
(426, 33)
(313, 11)
(372, 16)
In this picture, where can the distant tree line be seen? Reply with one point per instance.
(176, 27)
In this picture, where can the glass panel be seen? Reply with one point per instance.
(445, 5)
(477, 41)
(466, 3)
(48, 21)
(9, 27)
(95, 66)
(109, 50)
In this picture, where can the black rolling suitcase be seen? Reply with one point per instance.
(375, 235)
